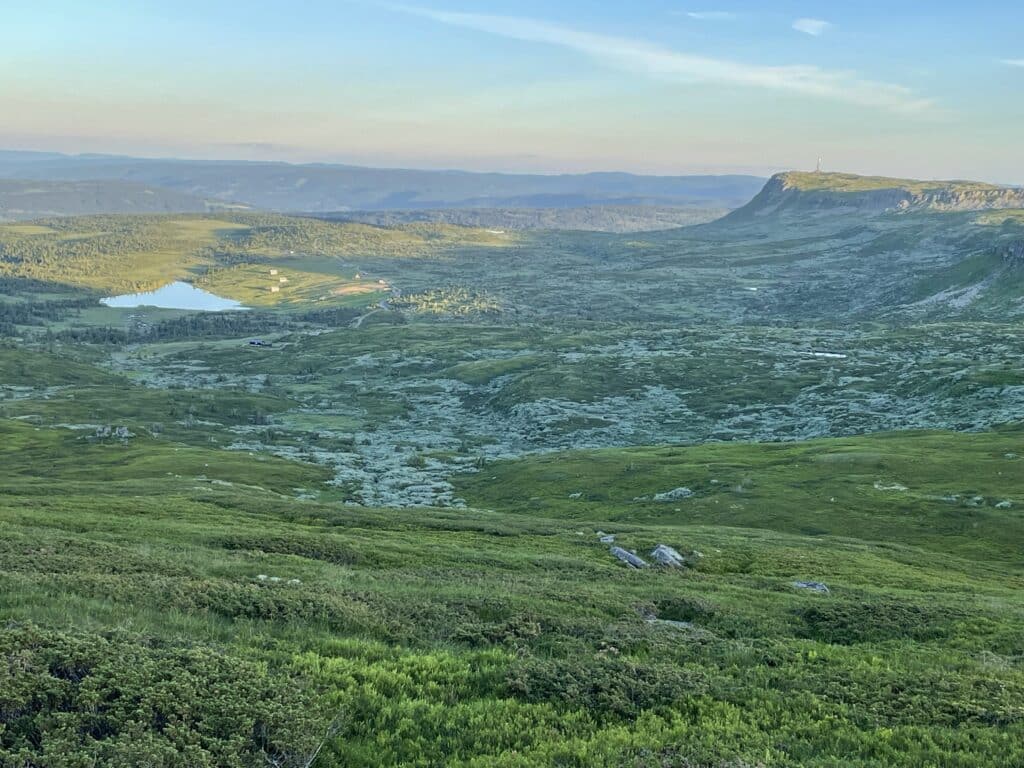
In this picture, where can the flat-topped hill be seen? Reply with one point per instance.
(796, 192)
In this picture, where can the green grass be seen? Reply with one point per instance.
(187, 596)
(306, 283)
(932, 490)
(121, 254)
(473, 638)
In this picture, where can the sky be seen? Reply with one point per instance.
(928, 89)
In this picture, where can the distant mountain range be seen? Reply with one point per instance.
(36, 199)
(319, 188)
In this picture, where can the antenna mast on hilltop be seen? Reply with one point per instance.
(818, 169)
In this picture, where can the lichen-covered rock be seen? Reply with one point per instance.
(675, 494)
(812, 586)
(629, 558)
(665, 555)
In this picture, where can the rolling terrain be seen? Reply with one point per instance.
(619, 219)
(26, 200)
(323, 188)
(383, 516)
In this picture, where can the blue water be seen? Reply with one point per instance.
(176, 295)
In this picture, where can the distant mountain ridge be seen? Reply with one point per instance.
(319, 188)
(809, 193)
(33, 199)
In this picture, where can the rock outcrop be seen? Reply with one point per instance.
(676, 494)
(812, 586)
(629, 558)
(665, 555)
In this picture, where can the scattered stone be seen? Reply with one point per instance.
(120, 433)
(576, 495)
(879, 486)
(812, 586)
(676, 494)
(1004, 505)
(1010, 456)
(668, 557)
(608, 539)
(628, 558)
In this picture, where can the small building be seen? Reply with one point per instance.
(282, 280)
(273, 272)
(358, 276)
(275, 289)
(382, 282)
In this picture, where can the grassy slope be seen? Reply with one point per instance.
(524, 643)
(506, 637)
(931, 490)
(511, 638)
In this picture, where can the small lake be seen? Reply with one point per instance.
(176, 295)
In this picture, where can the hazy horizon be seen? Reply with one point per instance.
(662, 88)
(764, 172)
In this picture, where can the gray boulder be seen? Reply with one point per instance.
(677, 494)
(812, 586)
(628, 558)
(665, 555)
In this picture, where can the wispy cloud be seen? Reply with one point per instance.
(1014, 62)
(816, 27)
(660, 62)
(712, 15)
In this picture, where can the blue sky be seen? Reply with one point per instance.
(928, 89)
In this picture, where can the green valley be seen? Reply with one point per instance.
(740, 494)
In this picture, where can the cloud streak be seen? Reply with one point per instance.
(815, 27)
(1014, 62)
(660, 62)
(712, 15)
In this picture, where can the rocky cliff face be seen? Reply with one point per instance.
(817, 193)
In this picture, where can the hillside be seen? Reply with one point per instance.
(168, 602)
(320, 187)
(597, 218)
(820, 193)
(23, 200)
(380, 517)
